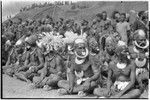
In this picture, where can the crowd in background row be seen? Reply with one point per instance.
(100, 23)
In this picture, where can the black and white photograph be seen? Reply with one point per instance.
(53, 49)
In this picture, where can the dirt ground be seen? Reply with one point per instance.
(13, 88)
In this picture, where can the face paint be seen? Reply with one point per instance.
(94, 48)
(81, 51)
(141, 41)
(122, 53)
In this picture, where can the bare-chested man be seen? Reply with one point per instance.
(105, 57)
(53, 71)
(121, 75)
(83, 73)
(13, 56)
(34, 60)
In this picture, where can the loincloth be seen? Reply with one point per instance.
(81, 81)
(118, 86)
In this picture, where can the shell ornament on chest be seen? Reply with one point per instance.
(138, 61)
(121, 65)
(79, 61)
(79, 74)
(80, 78)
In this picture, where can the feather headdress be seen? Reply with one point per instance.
(50, 39)
(70, 37)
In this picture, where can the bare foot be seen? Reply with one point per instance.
(47, 88)
(81, 94)
(62, 91)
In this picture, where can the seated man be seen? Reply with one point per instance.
(140, 54)
(105, 57)
(10, 67)
(11, 56)
(10, 60)
(52, 72)
(34, 60)
(83, 73)
(95, 56)
(108, 54)
(18, 52)
(121, 76)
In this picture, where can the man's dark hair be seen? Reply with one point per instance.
(104, 12)
(113, 14)
(99, 15)
(47, 16)
(140, 13)
(123, 14)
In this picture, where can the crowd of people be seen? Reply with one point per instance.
(107, 57)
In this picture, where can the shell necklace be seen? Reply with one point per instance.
(121, 65)
(79, 74)
(77, 61)
(140, 63)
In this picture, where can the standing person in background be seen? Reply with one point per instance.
(105, 28)
(99, 17)
(85, 27)
(123, 28)
(105, 22)
(115, 19)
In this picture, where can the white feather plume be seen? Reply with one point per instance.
(50, 39)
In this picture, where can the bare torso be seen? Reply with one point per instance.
(121, 74)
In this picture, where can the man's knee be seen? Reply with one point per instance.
(62, 83)
(41, 71)
(132, 94)
(137, 92)
(96, 91)
(93, 84)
